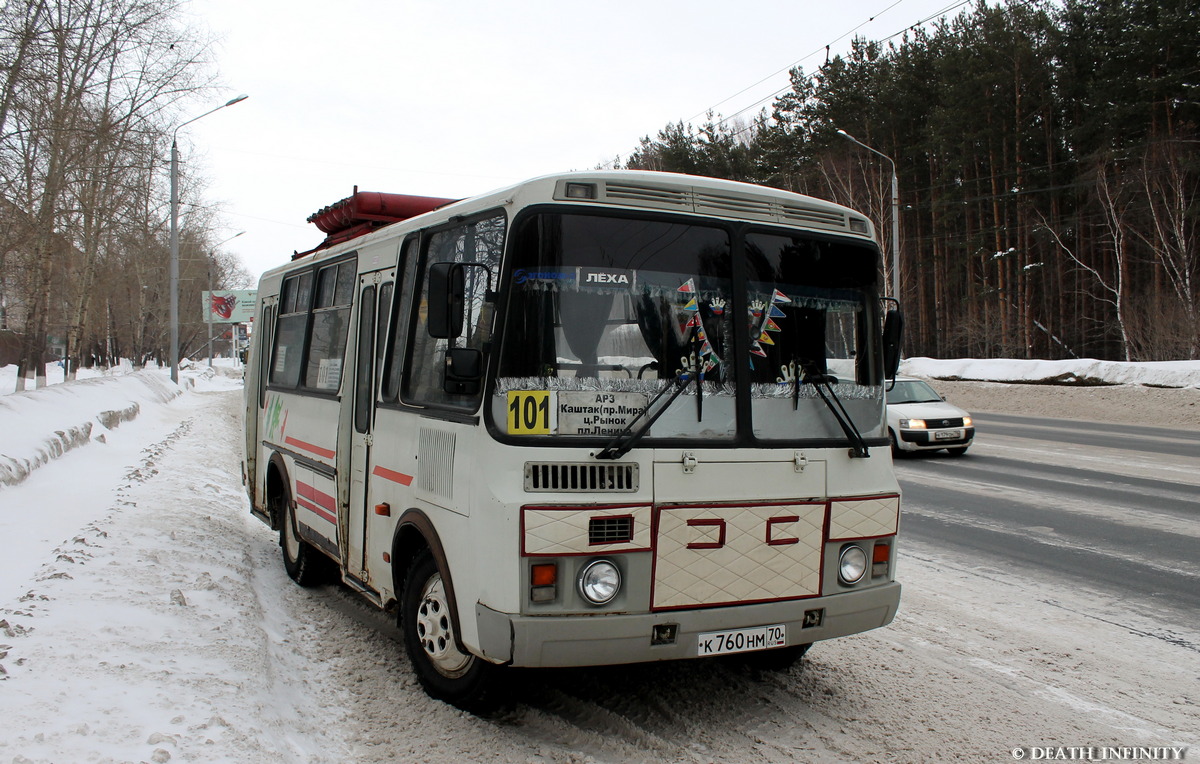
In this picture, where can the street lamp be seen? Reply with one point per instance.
(175, 234)
(208, 310)
(895, 212)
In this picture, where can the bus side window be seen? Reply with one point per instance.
(480, 242)
(262, 347)
(331, 316)
(382, 317)
(364, 401)
(288, 347)
(397, 316)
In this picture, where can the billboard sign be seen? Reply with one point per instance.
(229, 306)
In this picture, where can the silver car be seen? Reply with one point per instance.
(920, 420)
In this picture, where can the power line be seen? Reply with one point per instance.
(938, 14)
(793, 65)
(954, 5)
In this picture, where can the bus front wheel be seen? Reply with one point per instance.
(443, 668)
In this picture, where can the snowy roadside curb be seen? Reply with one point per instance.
(1078, 372)
(37, 426)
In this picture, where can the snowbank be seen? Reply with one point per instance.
(1081, 371)
(39, 425)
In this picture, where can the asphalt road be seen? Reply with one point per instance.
(1113, 509)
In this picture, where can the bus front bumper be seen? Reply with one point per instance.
(596, 640)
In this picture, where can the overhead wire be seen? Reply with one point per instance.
(793, 65)
(955, 5)
(952, 6)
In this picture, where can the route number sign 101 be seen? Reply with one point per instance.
(531, 412)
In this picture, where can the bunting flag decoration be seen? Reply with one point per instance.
(689, 287)
(764, 337)
(692, 306)
(771, 326)
(706, 349)
(776, 313)
(756, 349)
(778, 297)
(693, 321)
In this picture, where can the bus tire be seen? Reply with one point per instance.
(304, 564)
(443, 669)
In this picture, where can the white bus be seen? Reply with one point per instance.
(594, 418)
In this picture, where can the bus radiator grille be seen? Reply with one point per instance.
(583, 477)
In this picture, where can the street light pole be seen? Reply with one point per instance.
(174, 269)
(208, 308)
(895, 212)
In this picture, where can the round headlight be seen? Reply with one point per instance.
(599, 582)
(852, 564)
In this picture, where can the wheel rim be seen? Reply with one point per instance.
(435, 630)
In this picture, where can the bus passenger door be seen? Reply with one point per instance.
(366, 355)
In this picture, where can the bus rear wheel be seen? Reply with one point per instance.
(445, 671)
(304, 564)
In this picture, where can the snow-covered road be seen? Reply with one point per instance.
(162, 628)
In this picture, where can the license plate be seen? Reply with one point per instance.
(947, 435)
(741, 640)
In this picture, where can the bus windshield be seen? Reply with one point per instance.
(605, 312)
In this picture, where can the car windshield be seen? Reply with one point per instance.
(912, 391)
(604, 313)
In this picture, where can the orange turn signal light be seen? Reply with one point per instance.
(543, 574)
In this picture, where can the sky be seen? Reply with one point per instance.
(454, 99)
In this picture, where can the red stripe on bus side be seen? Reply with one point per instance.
(317, 510)
(323, 499)
(309, 447)
(392, 475)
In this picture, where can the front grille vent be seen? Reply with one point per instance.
(937, 424)
(610, 530)
(545, 477)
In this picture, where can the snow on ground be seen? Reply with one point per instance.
(1084, 371)
(144, 616)
(1165, 394)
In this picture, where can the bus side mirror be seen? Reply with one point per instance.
(893, 330)
(464, 369)
(447, 290)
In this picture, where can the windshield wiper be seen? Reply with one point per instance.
(626, 439)
(858, 446)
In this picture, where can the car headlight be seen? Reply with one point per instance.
(599, 582)
(967, 421)
(912, 424)
(852, 564)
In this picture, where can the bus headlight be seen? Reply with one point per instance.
(599, 582)
(852, 564)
